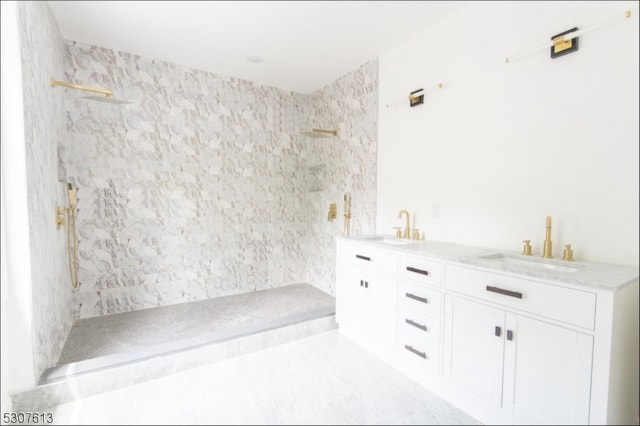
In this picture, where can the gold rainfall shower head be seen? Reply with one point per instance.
(107, 93)
(320, 133)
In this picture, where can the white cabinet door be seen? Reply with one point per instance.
(351, 303)
(474, 347)
(366, 303)
(547, 374)
(381, 292)
(537, 371)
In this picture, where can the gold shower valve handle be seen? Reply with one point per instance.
(526, 250)
(333, 212)
(60, 215)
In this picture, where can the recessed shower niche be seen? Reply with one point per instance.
(316, 178)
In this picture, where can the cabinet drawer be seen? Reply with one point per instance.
(370, 257)
(418, 327)
(418, 353)
(423, 299)
(420, 269)
(560, 303)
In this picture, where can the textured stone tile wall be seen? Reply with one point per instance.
(343, 164)
(194, 190)
(42, 51)
(204, 185)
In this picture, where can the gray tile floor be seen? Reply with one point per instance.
(322, 379)
(165, 328)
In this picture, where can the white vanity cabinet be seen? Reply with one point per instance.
(539, 351)
(536, 371)
(505, 347)
(366, 297)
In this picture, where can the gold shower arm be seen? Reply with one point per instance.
(105, 92)
(333, 132)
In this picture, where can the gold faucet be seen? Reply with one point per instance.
(568, 253)
(547, 251)
(407, 229)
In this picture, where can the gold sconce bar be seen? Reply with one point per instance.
(567, 42)
(562, 44)
(416, 97)
(105, 92)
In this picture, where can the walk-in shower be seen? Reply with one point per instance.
(145, 302)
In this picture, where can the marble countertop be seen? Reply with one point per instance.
(580, 272)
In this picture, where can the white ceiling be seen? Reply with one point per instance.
(305, 44)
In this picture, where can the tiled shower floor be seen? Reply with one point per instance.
(99, 342)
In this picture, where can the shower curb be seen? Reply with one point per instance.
(74, 385)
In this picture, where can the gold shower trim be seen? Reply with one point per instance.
(332, 132)
(105, 92)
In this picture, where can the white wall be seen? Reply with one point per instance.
(17, 314)
(502, 146)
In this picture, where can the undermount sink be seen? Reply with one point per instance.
(530, 263)
(385, 239)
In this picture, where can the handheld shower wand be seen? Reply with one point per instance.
(347, 214)
(72, 236)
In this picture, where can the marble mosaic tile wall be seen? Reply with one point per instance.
(194, 190)
(204, 185)
(42, 51)
(345, 163)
